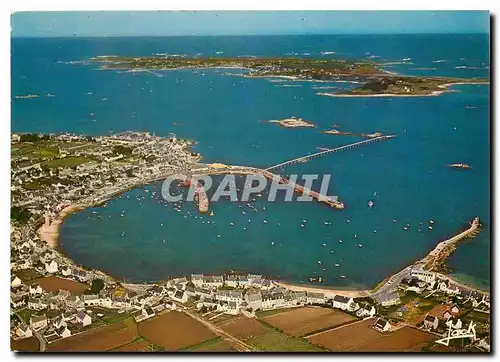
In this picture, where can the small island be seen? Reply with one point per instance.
(27, 96)
(376, 81)
(460, 165)
(336, 132)
(293, 122)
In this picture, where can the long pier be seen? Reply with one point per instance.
(218, 169)
(436, 258)
(328, 151)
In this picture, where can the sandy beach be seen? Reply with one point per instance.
(328, 292)
(50, 233)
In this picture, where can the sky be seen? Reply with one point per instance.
(169, 23)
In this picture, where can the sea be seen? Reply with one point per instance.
(138, 237)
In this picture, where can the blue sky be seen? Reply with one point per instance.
(166, 23)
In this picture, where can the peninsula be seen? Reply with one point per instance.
(374, 80)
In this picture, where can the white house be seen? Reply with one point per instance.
(366, 311)
(38, 322)
(228, 307)
(342, 302)
(63, 332)
(431, 322)
(35, 289)
(254, 299)
(197, 280)
(24, 331)
(15, 281)
(382, 325)
(66, 271)
(315, 298)
(37, 304)
(273, 300)
(91, 299)
(387, 300)
(180, 296)
(428, 277)
(229, 296)
(83, 318)
(51, 267)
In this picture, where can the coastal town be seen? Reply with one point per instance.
(57, 305)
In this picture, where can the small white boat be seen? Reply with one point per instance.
(355, 236)
(342, 276)
(123, 234)
(337, 265)
(340, 240)
(319, 262)
(370, 204)
(432, 221)
(231, 223)
(430, 227)
(324, 244)
(360, 245)
(375, 231)
(272, 243)
(265, 221)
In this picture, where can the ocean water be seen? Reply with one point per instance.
(405, 177)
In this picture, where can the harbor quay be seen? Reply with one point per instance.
(255, 182)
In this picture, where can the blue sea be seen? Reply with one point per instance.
(406, 177)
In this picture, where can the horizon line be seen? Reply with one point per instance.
(242, 34)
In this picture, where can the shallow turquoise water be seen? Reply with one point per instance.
(224, 114)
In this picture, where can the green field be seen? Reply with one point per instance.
(274, 341)
(66, 162)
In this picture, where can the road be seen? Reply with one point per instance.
(392, 284)
(38, 335)
(244, 347)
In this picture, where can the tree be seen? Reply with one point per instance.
(96, 286)
(19, 214)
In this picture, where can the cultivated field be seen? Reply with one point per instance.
(174, 330)
(54, 284)
(214, 345)
(265, 338)
(25, 345)
(361, 337)
(302, 321)
(100, 339)
(140, 345)
(243, 328)
(405, 339)
(348, 337)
